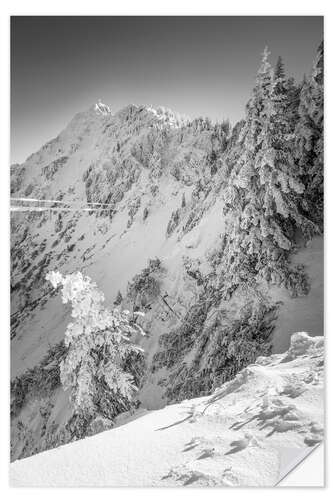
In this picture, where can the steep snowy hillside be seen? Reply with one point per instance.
(104, 197)
(97, 159)
(135, 200)
(249, 432)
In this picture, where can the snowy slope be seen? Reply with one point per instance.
(127, 187)
(83, 165)
(247, 433)
(99, 198)
(302, 313)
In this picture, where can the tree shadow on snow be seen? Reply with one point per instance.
(175, 423)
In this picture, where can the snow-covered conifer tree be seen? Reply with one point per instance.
(309, 144)
(243, 239)
(118, 299)
(99, 345)
(279, 174)
(264, 195)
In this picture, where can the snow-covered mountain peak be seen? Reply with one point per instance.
(102, 109)
(168, 116)
(159, 115)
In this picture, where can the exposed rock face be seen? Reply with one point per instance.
(116, 193)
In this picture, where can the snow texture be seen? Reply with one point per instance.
(249, 432)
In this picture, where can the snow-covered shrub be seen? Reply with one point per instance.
(99, 424)
(173, 222)
(179, 341)
(39, 381)
(98, 342)
(219, 348)
(119, 298)
(145, 213)
(145, 286)
(50, 170)
(133, 209)
(193, 219)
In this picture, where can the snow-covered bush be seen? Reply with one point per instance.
(173, 222)
(99, 344)
(39, 381)
(145, 286)
(119, 298)
(219, 347)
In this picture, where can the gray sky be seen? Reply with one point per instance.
(193, 65)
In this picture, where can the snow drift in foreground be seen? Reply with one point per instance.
(249, 432)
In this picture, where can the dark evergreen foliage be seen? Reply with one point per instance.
(272, 190)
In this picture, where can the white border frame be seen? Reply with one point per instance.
(143, 7)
